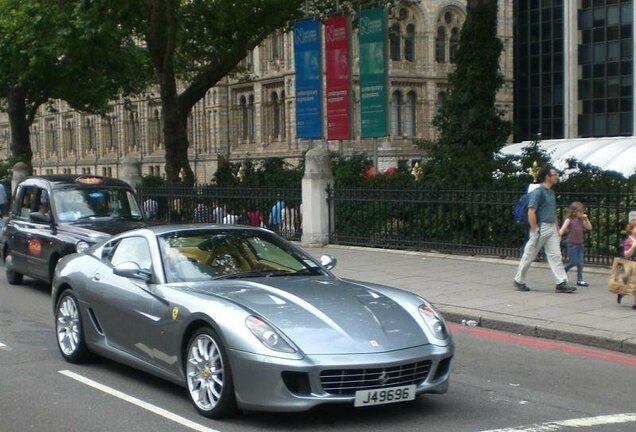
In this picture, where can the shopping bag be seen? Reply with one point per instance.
(622, 278)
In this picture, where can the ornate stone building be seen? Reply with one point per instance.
(255, 117)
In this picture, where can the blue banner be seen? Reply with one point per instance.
(307, 56)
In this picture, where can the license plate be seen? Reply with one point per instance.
(384, 396)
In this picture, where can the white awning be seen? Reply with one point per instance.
(607, 153)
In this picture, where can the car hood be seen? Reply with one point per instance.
(325, 315)
(102, 229)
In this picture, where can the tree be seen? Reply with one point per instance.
(80, 51)
(196, 44)
(470, 126)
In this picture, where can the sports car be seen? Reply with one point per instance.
(244, 319)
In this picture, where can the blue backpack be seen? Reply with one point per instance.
(520, 210)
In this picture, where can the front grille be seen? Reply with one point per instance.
(345, 382)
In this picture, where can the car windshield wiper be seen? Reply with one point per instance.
(270, 273)
(255, 273)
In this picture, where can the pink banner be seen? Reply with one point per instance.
(338, 71)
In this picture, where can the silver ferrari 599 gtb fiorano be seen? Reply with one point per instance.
(244, 319)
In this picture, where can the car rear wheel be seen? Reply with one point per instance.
(208, 375)
(68, 326)
(13, 277)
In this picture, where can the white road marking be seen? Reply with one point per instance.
(4, 347)
(145, 405)
(573, 423)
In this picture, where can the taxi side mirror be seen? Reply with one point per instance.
(40, 217)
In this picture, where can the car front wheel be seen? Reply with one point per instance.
(69, 330)
(13, 277)
(208, 375)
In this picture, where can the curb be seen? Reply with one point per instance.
(542, 330)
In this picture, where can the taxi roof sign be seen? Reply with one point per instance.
(90, 180)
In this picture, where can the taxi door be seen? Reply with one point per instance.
(19, 226)
(39, 241)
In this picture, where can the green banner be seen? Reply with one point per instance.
(372, 40)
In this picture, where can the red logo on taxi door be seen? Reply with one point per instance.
(35, 247)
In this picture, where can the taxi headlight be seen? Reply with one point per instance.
(81, 246)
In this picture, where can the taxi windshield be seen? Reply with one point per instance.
(72, 205)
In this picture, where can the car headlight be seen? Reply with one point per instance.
(81, 246)
(433, 320)
(268, 335)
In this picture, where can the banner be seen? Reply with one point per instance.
(308, 64)
(338, 76)
(373, 73)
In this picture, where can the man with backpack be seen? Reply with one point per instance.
(544, 233)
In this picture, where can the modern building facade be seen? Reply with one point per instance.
(254, 117)
(573, 68)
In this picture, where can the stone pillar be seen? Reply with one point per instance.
(131, 171)
(314, 197)
(20, 171)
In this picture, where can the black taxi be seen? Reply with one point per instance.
(55, 215)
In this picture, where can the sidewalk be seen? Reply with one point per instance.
(481, 289)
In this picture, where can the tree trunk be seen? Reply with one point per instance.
(161, 41)
(20, 147)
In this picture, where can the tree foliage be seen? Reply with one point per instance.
(80, 51)
(470, 125)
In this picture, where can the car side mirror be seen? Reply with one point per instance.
(328, 261)
(132, 270)
(40, 217)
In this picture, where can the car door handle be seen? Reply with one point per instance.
(97, 277)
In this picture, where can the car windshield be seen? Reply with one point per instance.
(197, 255)
(76, 204)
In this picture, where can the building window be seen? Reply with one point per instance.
(447, 38)
(409, 43)
(244, 117)
(605, 69)
(394, 42)
(252, 118)
(396, 114)
(410, 114)
(275, 112)
(440, 45)
(453, 44)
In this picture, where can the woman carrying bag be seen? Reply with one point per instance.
(629, 252)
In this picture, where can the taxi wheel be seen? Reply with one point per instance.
(69, 329)
(13, 277)
(208, 375)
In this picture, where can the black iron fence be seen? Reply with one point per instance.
(471, 222)
(275, 208)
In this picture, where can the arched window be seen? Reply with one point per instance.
(453, 44)
(409, 115)
(244, 117)
(440, 45)
(447, 39)
(409, 43)
(394, 42)
(396, 114)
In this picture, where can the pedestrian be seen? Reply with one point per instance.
(218, 212)
(3, 199)
(576, 224)
(275, 214)
(544, 233)
(151, 208)
(629, 252)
